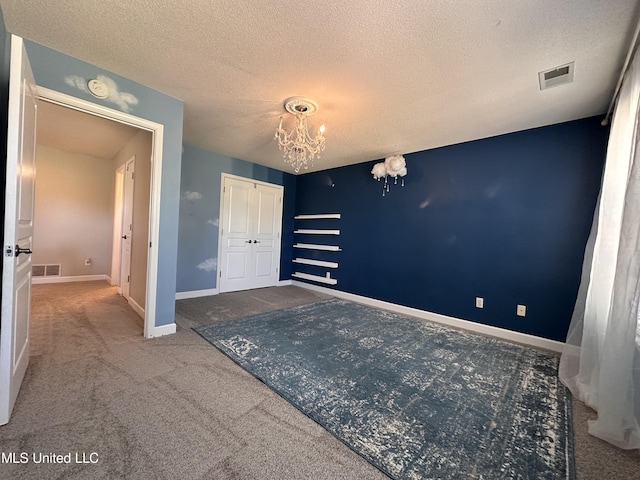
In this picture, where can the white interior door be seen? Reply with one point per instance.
(18, 228)
(116, 252)
(267, 206)
(236, 238)
(251, 214)
(127, 227)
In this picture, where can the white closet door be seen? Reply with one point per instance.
(250, 234)
(267, 207)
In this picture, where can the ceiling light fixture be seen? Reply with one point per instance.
(98, 88)
(298, 147)
(393, 166)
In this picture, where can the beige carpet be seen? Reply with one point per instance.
(174, 407)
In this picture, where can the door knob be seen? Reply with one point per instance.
(19, 250)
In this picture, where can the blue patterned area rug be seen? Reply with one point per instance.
(416, 399)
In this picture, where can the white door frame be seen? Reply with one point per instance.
(223, 177)
(157, 131)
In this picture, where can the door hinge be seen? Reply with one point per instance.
(128, 278)
(220, 274)
(149, 244)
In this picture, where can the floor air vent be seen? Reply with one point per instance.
(556, 76)
(45, 270)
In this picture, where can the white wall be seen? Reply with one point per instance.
(73, 212)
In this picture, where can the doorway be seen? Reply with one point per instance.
(147, 218)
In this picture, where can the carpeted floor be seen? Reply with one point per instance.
(174, 407)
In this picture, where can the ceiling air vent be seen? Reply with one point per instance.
(556, 76)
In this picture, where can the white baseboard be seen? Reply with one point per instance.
(136, 307)
(73, 278)
(196, 293)
(214, 291)
(162, 330)
(489, 330)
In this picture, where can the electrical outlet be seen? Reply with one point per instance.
(521, 310)
(479, 302)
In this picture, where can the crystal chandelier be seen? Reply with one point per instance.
(298, 147)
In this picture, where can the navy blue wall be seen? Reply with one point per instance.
(505, 218)
(200, 211)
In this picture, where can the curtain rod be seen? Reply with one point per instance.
(627, 60)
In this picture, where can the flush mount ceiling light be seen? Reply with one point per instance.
(97, 88)
(298, 147)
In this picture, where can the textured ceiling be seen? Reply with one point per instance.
(389, 77)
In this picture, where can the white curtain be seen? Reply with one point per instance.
(600, 363)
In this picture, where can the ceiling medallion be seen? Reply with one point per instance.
(298, 147)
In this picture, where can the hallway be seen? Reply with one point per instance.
(74, 320)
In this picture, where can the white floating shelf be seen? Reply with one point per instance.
(317, 263)
(317, 232)
(315, 216)
(311, 246)
(316, 278)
